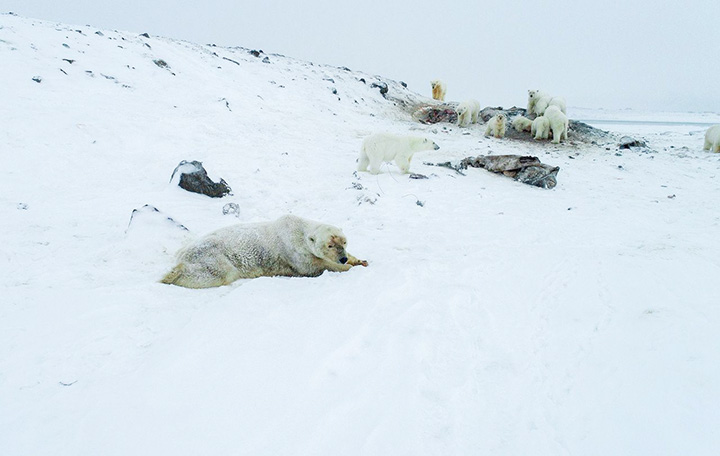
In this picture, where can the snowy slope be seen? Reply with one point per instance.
(495, 318)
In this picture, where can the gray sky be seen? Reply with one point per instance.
(644, 54)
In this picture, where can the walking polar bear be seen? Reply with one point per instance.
(386, 147)
(539, 101)
(496, 126)
(289, 246)
(558, 123)
(438, 89)
(712, 139)
(468, 112)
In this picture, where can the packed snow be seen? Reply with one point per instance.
(494, 317)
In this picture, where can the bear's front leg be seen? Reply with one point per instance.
(352, 261)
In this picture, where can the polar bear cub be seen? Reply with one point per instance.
(558, 123)
(540, 128)
(712, 139)
(386, 147)
(496, 126)
(289, 246)
(468, 112)
(521, 123)
(438, 89)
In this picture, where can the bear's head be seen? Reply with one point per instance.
(428, 144)
(500, 117)
(532, 94)
(328, 243)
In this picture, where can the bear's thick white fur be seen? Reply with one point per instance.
(289, 246)
(468, 112)
(496, 126)
(438, 89)
(540, 128)
(712, 139)
(533, 97)
(539, 101)
(560, 103)
(558, 123)
(386, 147)
(521, 123)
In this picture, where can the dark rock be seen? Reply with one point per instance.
(382, 86)
(418, 176)
(194, 178)
(145, 35)
(70, 61)
(266, 60)
(37, 79)
(99, 33)
(161, 63)
(403, 84)
(255, 53)
(362, 80)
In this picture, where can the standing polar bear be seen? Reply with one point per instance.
(558, 123)
(540, 128)
(289, 246)
(438, 89)
(386, 147)
(468, 112)
(496, 126)
(712, 139)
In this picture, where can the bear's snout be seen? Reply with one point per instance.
(343, 260)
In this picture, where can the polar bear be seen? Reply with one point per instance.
(496, 126)
(712, 139)
(468, 112)
(386, 147)
(558, 123)
(533, 97)
(540, 128)
(559, 102)
(438, 89)
(539, 101)
(521, 123)
(289, 246)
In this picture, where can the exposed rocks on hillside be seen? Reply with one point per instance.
(194, 178)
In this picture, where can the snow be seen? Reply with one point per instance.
(495, 318)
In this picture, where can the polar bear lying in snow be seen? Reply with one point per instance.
(289, 246)
(386, 147)
(712, 139)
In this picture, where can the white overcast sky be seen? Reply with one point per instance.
(640, 54)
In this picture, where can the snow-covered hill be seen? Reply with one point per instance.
(494, 318)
